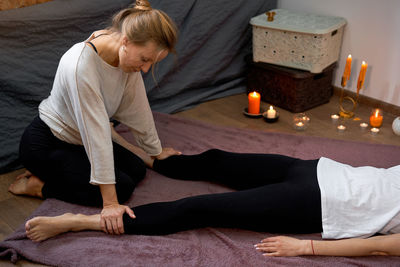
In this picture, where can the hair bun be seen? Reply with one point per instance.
(143, 5)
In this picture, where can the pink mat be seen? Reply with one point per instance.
(202, 247)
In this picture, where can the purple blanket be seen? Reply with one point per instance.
(202, 247)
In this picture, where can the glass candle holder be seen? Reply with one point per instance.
(341, 128)
(376, 118)
(363, 126)
(374, 131)
(300, 121)
(335, 118)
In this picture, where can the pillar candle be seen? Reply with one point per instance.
(376, 118)
(347, 71)
(254, 103)
(361, 76)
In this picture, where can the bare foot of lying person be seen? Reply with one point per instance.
(27, 184)
(42, 228)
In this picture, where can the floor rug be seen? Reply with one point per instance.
(201, 247)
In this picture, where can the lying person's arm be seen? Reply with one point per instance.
(287, 246)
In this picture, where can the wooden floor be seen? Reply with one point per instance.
(227, 112)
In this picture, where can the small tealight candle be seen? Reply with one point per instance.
(299, 125)
(271, 113)
(374, 131)
(363, 126)
(300, 121)
(335, 118)
(341, 128)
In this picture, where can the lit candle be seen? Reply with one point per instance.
(374, 131)
(271, 113)
(363, 126)
(341, 128)
(299, 126)
(376, 118)
(306, 119)
(347, 71)
(361, 76)
(254, 103)
(334, 118)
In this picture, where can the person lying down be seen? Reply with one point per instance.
(295, 196)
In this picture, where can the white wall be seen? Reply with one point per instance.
(372, 34)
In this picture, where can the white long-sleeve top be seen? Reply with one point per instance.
(358, 201)
(86, 93)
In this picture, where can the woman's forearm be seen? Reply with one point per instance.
(117, 138)
(289, 246)
(345, 247)
(379, 245)
(109, 194)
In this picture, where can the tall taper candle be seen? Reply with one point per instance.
(347, 71)
(361, 76)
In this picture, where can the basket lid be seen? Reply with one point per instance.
(299, 22)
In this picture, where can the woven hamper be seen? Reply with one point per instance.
(291, 89)
(297, 40)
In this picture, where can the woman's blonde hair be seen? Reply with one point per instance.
(141, 23)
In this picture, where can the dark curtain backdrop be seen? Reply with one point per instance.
(215, 36)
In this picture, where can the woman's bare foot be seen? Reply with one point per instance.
(42, 228)
(27, 184)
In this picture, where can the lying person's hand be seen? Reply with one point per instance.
(283, 246)
(167, 152)
(111, 218)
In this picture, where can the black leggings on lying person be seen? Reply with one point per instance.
(275, 194)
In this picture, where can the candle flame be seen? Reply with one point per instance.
(349, 56)
(271, 108)
(254, 93)
(376, 113)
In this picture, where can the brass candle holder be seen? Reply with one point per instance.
(347, 113)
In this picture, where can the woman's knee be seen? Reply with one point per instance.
(136, 169)
(126, 184)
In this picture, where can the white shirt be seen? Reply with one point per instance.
(86, 93)
(358, 201)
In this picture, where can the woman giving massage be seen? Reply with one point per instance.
(68, 149)
(294, 196)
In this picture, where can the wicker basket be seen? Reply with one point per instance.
(297, 40)
(291, 89)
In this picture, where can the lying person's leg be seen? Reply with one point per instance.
(237, 170)
(280, 207)
(42, 228)
(290, 206)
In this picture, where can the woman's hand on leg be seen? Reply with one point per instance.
(111, 218)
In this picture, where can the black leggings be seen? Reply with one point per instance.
(276, 194)
(65, 168)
